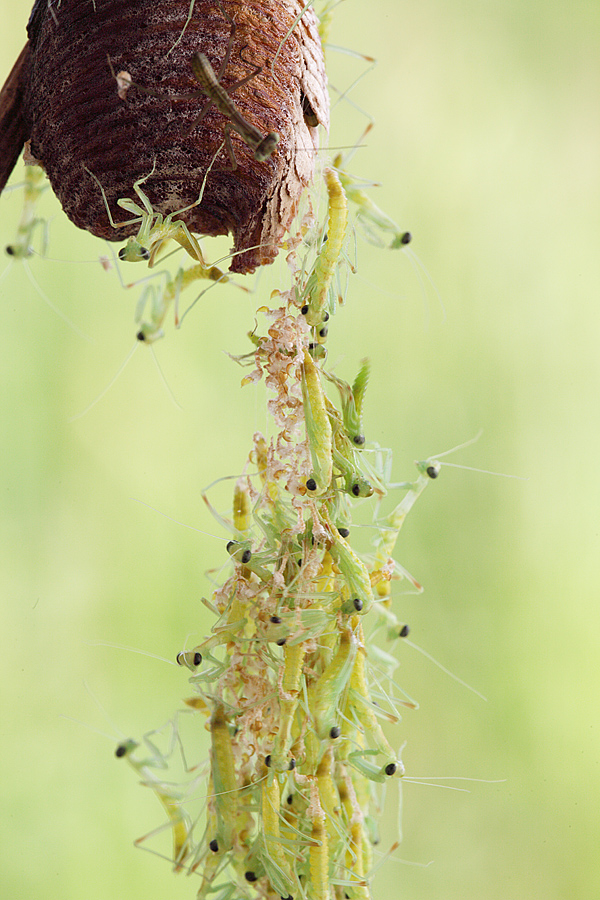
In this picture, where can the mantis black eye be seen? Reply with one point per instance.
(189, 658)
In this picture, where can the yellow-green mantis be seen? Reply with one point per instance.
(356, 577)
(191, 659)
(319, 283)
(277, 865)
(224, 780)
(21, 248)
(289, 688)
(373, 220)
(155, 228)
(352, 398)
(318, 854)
(325, 695)
(390, 528)
(179, 820)
(34, 186)
(318, 428)
(345, 458)
(157, 299)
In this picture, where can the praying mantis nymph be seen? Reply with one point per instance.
(320, 280)
(191, 659)
(345, 458)
(356, 577)
(318, 854)
(386, 539)
(178, 819)
(242, 507)
(318, 427)
(361, 709)
(21, 248)
(155, 228)
(374, 221)
(159, 298)
(224, 779)
(263, 145)
(241, 553)
(34, 187)
(289, 686)
(331, 685)
(274, 859)
(352, 398)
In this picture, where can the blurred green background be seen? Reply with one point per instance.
(487, 145)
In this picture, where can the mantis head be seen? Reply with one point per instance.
(133, 251)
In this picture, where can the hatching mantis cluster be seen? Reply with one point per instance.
(292, 688)
(288, 803)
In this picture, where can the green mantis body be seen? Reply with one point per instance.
(318, 427)
(34, 187)
(374, 221)
(330, 686)
(178, 819)
(320, 280)
(224, 779)
(355, 576)
(352, 398)
(159, 298)
(155, 228)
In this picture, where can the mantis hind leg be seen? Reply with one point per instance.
(189, 243)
